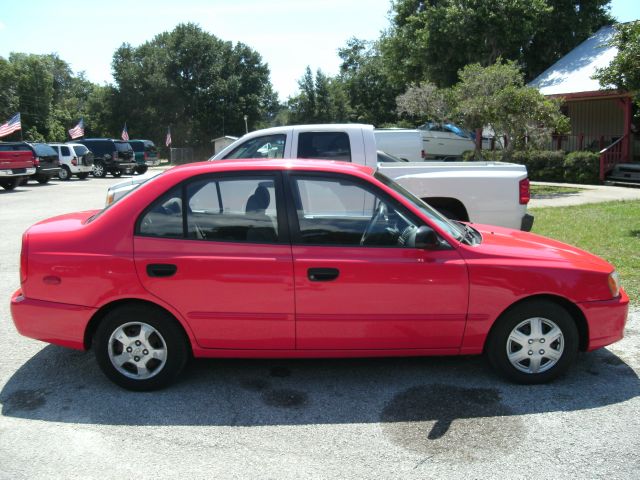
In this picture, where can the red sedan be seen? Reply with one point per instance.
(304, 259)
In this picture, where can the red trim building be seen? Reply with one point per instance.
(601, 120)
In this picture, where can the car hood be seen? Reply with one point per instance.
(515, 244)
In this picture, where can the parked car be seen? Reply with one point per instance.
(46, 162)
(292, 259)
(75, 159)
(146, 155)
(445, 141)
(16, 164)
(110, 156)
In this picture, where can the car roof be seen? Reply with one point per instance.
(329, 166)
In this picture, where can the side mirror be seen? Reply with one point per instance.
(427, 239)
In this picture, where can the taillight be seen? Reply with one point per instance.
(146, 155)
(74, 161)
(24, 252)
(36, 161)
(115, 155)
(525, 194)
(423, 154)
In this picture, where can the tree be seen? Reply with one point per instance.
(624, 70)
(496, 96)
(367, 83)
(426, 102)
(433, 40)
(187, 78)
(321, 99)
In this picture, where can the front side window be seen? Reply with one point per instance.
(335, 211)
(324, 146)
(267, 146)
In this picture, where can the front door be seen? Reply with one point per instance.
(359, 282)
(222, 261)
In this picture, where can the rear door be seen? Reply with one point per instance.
(223, 261)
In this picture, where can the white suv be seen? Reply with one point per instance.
(75, 159)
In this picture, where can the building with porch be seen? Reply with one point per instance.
(601, 119)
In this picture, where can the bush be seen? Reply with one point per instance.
(542, 165)
(582, 167)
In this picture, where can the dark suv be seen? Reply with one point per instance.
(110, 156)
(47, 163)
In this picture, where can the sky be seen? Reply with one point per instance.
(289, 34)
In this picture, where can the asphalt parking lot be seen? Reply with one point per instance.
(359, 418)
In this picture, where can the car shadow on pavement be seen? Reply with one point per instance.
(418, 402)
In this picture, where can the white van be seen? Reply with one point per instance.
(75, 159)
(403, 143)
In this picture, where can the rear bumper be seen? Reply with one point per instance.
(527, 223)
(52, 322)
(605, 320)
(124, 166)
(16, 172)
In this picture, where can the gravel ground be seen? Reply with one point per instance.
(384, 418)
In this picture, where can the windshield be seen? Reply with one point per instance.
(44, 150)
(455, 230)
(80, 150)
(123, 146)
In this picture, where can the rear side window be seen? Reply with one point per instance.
(65, 151)
(164, 217)
(324, 145)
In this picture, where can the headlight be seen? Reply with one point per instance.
(614, 283)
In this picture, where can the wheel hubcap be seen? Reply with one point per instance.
(137, 350)
(535, 345)
(97, 169)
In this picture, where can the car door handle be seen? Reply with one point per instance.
(161, 269)
(322, 274)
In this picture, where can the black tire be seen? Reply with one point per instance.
(11, 183)
(65, 173)
(99, 170)
(83, 175)
(43, 179)
(116, 173)
(169, 338)
(140, 169)
(553, 357)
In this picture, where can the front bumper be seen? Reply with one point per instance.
(58, 323)
(605, 320)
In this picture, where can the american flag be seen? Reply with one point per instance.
(167, 142)
(77, 131)
(125, 133)
(11, 125)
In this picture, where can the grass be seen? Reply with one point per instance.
(609, 230)
(552, 191)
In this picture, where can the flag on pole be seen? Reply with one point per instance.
(11, 125)
(77, 131)
(167, 142)
(125, 133)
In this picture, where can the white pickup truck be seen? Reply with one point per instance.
(492, 193)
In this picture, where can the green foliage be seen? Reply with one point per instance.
(426, 102)
(187, 78)
(542, 165)
(496, 96)
(320, 100)
(624, 71)
(433, 40)
(582, 167)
